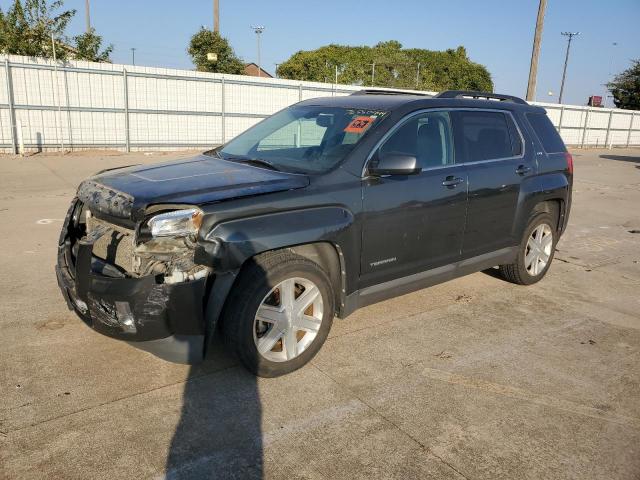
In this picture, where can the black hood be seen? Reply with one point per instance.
(127, 192)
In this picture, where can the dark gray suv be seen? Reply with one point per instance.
(329, 205)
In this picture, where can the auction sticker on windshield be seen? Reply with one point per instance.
(360, 124)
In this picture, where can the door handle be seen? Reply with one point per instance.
(523, 169)
(451, 181)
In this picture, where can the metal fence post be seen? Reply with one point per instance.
(125, 83)
(12, 112)
(584, 129)
(66, 90)
(633, 117)
(606, 138)
(223, 113)
(560, 122)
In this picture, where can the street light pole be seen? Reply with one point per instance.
(570, 36)
(613, 48)
(133, 56)
(533, 69)
(258, 29)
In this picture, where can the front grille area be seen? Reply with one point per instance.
(116, 247)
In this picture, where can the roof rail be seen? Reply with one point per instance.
(480, 95)
(380, 91)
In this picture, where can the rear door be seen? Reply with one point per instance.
(492, 147)
(413, 223)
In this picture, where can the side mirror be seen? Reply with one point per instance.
(395, 164)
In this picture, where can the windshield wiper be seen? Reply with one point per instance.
(253, 161)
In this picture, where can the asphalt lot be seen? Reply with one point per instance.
(472, 379)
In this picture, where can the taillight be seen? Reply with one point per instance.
(569, 158)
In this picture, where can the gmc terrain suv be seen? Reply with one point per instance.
(327, 206)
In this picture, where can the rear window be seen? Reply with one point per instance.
(486, 135)
(546, 132)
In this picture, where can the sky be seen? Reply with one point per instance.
(496, 33)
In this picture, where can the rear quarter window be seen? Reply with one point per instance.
(546, 133)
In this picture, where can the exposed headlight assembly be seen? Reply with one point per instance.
(178, 223)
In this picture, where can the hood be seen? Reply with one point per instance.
(127, 192)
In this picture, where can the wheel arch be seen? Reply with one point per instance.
(552, 206)
(549, 193)
(326, 254)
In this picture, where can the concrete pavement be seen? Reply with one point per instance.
(475, 378)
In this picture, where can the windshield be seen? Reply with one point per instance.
(304, 139)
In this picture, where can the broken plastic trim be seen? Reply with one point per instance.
(100, 198)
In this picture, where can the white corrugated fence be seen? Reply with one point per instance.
(81, 105)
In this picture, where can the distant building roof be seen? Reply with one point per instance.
(252, 70)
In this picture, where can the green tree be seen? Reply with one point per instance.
(27, 28)
(88, 47)
(625, 87)
(388, 64)
(207, 41)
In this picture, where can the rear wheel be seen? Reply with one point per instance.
(279, 314)
(535, 253)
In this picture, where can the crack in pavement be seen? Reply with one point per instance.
(536, 398)
(422, 446)
(119, 399)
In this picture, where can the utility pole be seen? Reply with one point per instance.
(373, 73)
(258, 29)
(133, 56)
(216, 16)
(418, 76)
(535, 53)
(570, 36)
(87, 15)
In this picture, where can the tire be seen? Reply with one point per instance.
(263, 283)
(522, 271)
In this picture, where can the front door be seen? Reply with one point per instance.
(413, 223)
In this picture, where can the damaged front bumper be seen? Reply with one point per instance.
(166, 319)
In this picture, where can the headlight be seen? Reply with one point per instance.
(179, 223)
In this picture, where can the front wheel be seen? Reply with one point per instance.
(279, 313)
(535, 253)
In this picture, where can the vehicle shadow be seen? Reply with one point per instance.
(622, 158)
(493, 272)
(219, 432)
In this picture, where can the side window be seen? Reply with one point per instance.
(546, 132)
(486, 135)
(428, 137)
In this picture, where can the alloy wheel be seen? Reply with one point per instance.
(538, 249)
(288, 319)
